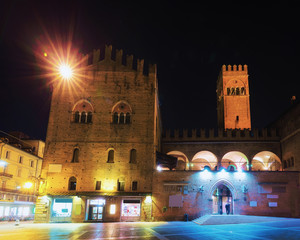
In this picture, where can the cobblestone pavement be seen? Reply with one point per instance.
(275, 228)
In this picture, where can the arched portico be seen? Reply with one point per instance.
(237, 160)
(266, 161)
(182, 159)
(204, 158)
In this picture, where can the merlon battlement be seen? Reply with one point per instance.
(117, 60)
(235, 69)
(198, 135)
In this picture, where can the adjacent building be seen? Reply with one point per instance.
(106, 158)
(20, 169)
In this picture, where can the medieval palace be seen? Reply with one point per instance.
(107, 157)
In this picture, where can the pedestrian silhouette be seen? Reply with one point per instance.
(227, 206)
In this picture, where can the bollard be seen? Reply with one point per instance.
(17, 223)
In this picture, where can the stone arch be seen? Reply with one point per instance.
(236, 159)
(266, 161)
(182, 159)
(224, 182)
(83, 105)
(218, 203)
(204, 158)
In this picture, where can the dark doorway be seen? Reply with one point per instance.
(222, 196)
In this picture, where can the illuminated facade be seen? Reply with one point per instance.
(101, 142)
(20, 168)
(106, 159)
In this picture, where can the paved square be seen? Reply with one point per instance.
(214, 228)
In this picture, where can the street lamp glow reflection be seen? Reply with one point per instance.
(65, 71)
(28, 185)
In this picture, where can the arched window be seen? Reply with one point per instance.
(83, 111)
(134, 186)
(121, 185)
(72, 183)
(127, 119)
(89, 117)
(111, 156)
(122, 118)
(75, 157)
(237, 91)
(76, 117)
(83, 117)
(132, 156)
(121, 113)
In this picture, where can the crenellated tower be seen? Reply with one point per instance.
(233, 103)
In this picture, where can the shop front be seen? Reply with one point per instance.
(131, 209)
(10, 211)
(61, 210)
(95, 209)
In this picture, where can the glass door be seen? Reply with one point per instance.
(96, 213)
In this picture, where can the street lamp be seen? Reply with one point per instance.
(65, 71)
(28, 185)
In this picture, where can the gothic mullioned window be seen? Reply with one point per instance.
(121, 113)
(82, 112)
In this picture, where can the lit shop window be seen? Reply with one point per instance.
(62, 207)
(1, 211)
(131, 208)
(6, 211)
(13, 211)
(112, 209)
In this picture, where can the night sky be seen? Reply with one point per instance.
(188, 41)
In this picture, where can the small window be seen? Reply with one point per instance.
(75, 157)
(76, 117)
(31, 163)
(83, 117)
(19, 173)
(132, 156)
(237, 91)
(7, 155)
(284, 164)
(20, 159)
(121, 186)
(127, 119)
(111, 156)
(89, 117)
(72, 183)
(122, 118)
(98, 185)
(115, 118)
(134, 186)
(237, 118)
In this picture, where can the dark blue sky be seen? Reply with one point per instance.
(188, 41)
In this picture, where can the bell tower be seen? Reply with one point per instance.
(233, 102)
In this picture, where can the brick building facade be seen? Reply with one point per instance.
(101, 158)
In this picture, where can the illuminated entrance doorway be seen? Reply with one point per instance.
(222, 200)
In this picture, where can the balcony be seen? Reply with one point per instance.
(3, 174)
